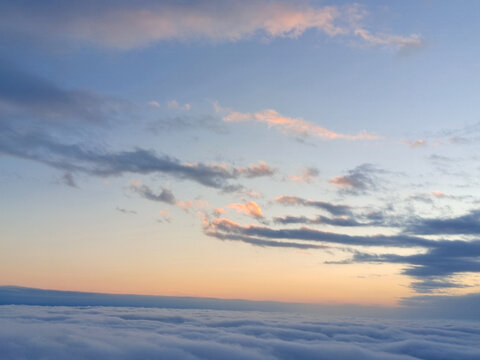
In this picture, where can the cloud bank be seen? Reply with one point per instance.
(29, 332)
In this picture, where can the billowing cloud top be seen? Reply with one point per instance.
(29, 332)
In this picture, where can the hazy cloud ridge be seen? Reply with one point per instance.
(23, 95)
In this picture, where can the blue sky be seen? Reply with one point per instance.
(319, 152)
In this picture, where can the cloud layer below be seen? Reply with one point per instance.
(31, 332)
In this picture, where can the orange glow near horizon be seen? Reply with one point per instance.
(292, 279)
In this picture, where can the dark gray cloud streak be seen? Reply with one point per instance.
(263, 242)
(126, 211)
(360, 180)
(164, 195)
(307, 234)
(444, 258)
(319, 220)
(433, 266)
(38, 146)
(69, 180)
(186, 122)
(333, 209)
(353, 220)
(468, 224)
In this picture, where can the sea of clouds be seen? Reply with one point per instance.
(56, 332)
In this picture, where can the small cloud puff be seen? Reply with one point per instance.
(250, 208)
(173, 104)
(154, 103)
(307, 175)
(415, 143)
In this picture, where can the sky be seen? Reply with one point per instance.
(295, 151)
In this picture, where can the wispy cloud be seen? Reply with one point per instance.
(127, 25)
(433, 284)
(290, 126)
(415, 143)
(319, 220)
(26, 96)
(126, 211)
(154, 103)
(334, 209)
(145, 191)
(184, 122)
(402, 42)
(359, 180)
(41, 147)
(174, 104)
(256, 170)
(165, 216)
(227, 227)
(307, 175)
(68, 180)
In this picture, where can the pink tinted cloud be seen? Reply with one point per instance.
(165, 214)
(307, 176)
(128, 25)
(250, 208)
(291, 126)
(256, 170)
(174, 104)
(185, 205)
(289, 200)
(438, 194)
(416, 143)
(343, 181)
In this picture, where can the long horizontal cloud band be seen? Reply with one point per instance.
(440, 260)
(308, 234)
(73, 157)
(126, 25)
(290, 126)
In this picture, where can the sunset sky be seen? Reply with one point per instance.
(300, 151)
